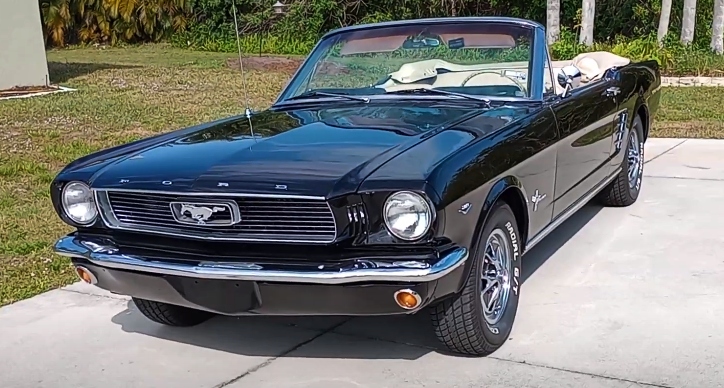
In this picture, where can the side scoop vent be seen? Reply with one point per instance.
(358, 222)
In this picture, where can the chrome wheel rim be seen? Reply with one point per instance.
(496, 269)
(634, 159)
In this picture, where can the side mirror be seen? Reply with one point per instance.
(569, 78)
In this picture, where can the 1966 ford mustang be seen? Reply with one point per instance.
(406, 166)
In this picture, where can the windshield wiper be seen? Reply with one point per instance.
(313, 93)
(443, 92)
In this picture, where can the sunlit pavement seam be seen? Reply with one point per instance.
(604, 377)
(666, 152)
(684, 178)
(110, 296)
(282, 354)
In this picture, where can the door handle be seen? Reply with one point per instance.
(613, 91)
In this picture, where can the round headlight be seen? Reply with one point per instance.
(78, 203)
(407, 215)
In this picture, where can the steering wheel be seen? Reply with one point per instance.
(515, 81)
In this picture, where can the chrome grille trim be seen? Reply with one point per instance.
(306, 219)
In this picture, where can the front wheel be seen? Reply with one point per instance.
(625, 189)
(479, 319)
(169, 314)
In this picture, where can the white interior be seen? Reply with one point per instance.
(427, 73)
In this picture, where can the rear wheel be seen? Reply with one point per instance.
(479, 319)
(625, 189)
(169, 314)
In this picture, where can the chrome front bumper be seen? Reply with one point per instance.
(103, 253)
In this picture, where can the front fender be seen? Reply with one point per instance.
(479, 203)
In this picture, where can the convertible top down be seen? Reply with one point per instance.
(406, 166)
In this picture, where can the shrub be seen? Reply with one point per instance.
(625, 27)
(112, 21)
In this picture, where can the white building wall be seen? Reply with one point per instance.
(22, 50)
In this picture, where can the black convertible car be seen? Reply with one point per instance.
(406, 166)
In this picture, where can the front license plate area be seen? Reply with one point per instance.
(224, 296)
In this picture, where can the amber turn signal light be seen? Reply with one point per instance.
(85, 275)
(407, 299)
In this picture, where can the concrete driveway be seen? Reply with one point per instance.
(628, 297)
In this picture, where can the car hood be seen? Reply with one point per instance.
(316, 151)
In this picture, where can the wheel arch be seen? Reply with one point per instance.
(641, 110)
(510, 190)
(514, 197)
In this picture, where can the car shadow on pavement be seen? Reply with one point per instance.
(540, 253)
(265, 336)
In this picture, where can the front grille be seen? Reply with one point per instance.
(274, 219)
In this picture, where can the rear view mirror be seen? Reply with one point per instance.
(417, 42)
(569, 77)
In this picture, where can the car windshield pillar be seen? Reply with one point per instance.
(540, 62)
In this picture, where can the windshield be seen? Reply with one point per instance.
(479, 59)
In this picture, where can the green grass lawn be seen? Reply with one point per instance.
(126, 94)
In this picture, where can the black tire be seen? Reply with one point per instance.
(620, 192)
(169, 314)
(459, 322)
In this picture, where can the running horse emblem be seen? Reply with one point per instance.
(200, 213)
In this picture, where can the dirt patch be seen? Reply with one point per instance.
(287, 65)
(24, 90)
(331, 68)
(267, 63)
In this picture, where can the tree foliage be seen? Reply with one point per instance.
(111, 21)
(211, 22)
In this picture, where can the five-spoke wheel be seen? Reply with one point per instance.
(625, 188)
(495, 276)
(478, 320)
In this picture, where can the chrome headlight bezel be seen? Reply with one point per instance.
(87, 198)
(420, 201)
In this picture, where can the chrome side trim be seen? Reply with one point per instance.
(104, 254)
(571, 211)
(105, 211)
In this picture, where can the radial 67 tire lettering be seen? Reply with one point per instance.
(478, 320)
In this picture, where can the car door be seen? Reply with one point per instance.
(626, 103)
(537, 173)
(586, 117)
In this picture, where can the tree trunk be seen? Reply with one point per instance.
(688, 22)
(553, 20)
(717, 28)
(664, 21)
(589, 13)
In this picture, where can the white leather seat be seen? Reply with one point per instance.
(594, 64)
(589, 69)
